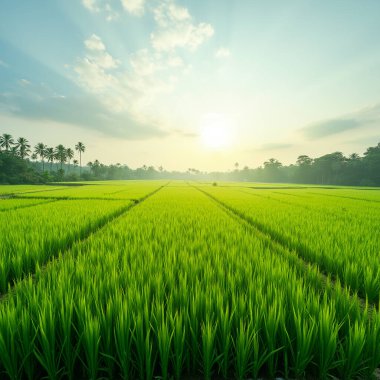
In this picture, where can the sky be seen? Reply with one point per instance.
(192, 84)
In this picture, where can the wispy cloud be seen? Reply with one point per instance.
(91, 5)
(360, 119)
(222, 53)
(134, 7)
(176, 28)
(101, 6)
(94, 43)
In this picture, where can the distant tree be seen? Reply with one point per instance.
(303, 170)
(15, 170)
(6, 141)
(40, 150)
(330, 168)
(236, 166)
(69, 155)
(371, 161)
(50, 155)
(79, 147)
(272, 171)
(60, 154)
(23, 147)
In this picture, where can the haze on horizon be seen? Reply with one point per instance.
(200, 84)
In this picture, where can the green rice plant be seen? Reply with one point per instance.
(351, 353)
(327, 338)
(46, 349)
(372, 347)
(106, 347)
(261, 355)
(243, 349)
(179, 347)
(90, 345)
(69, 345)
(164, 338)
(9, 358)
(150, 356)
(195, 335)
(302, 345)
(208, 348)
(139, 346)
(26, 340)
(225, 340)
(123, 341)
(271, 323)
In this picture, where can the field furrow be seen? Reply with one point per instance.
(344, 243)
(32, 237)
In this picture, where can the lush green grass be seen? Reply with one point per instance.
(180, 286)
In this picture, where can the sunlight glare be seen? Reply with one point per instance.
(215, 131)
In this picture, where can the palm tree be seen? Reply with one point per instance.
(80, 148)
(40, 149)
(34, 157)
(69, 155)
(60, 154)
(6, 141)
(50, 155)
(23, 147)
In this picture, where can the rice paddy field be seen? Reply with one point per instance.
(189, 280)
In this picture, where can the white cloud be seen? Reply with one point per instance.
(24, 82)
(176, 29)
(181, 35)
(94, 43)
(135, 7)
(132, 92)
(101, 6)
(168, 12)
(91, 5)
(222, 53)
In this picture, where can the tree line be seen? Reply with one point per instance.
(19, 164)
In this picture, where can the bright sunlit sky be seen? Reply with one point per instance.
(197, 83)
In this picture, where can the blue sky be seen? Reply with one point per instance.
(192, 83)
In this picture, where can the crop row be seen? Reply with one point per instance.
(31, 236)
(133, 190)
(175, 288)
(336, 234)
(14, 203)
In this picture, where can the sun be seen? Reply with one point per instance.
(215, 131)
